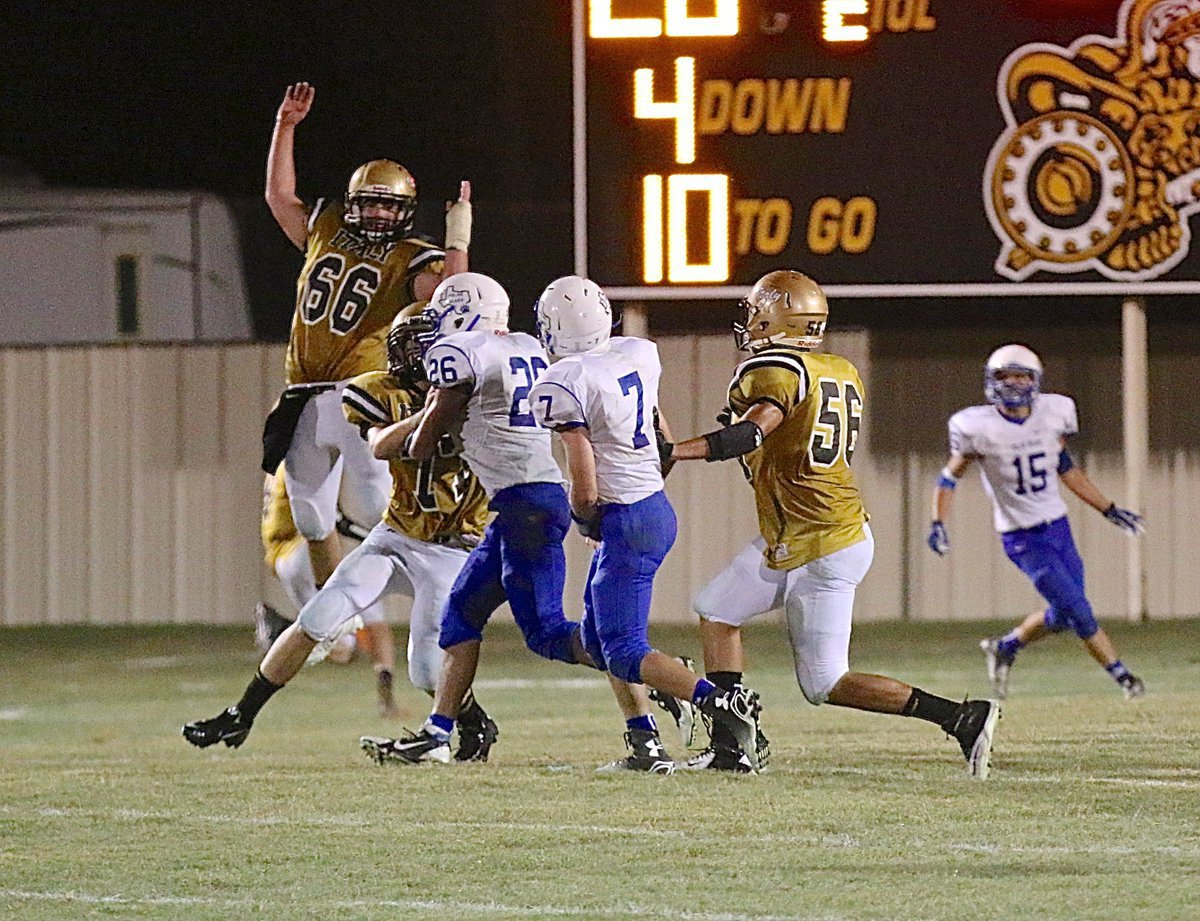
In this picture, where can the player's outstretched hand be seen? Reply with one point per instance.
(458, 219)
(938, 539)
(296, 102)
(464, 193)
(1123, 518)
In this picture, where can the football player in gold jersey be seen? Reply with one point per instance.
(286, 555)
(795, 419)
(437, 512)
(361, 266)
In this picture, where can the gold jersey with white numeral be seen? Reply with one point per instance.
(808, 503)
(346, 297)
(438, 500)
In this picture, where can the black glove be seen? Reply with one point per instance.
(664, 449)
(588, 527)
(725, 417)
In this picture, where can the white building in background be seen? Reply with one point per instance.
(99, 266)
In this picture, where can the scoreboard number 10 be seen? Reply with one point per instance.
(692, 225)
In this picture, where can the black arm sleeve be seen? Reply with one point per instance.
(733, 441)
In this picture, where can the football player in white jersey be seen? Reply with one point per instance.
(481, 376)
(601, 396)
(1020, 441)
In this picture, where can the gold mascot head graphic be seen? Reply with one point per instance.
(1099, 167)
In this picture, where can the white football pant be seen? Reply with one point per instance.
(294, 570)
(388, 563)
(325, 451)
(818, 602)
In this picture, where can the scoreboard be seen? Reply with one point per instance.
(887, 148)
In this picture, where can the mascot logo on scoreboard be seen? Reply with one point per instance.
(1099, 168)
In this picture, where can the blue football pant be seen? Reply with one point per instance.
(634, 541)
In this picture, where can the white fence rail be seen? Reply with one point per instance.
(130, 493)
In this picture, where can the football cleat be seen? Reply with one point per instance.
(646, 754)
(720, 759)
(737, 711)
(477, 733)
(228, 726)
(683, 712)
(268, 624)
(973, 725)
(1133, 687)
(998, 666)
(384, 684)
(762, 745)
(413, 748)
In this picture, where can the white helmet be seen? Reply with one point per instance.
(466, 301)
(1012, 357)
(573, 316)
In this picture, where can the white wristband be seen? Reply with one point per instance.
(458, 226)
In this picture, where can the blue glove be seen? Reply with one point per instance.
(938, 539)
(1124, 519)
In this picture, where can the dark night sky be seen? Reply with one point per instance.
(181, 95)
(172, 95)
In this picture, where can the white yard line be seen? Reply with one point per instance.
(827, 841)
(460, 909)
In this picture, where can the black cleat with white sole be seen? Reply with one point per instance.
(972, 727)
(477, 733)
(737, 711)
(414, 748)
(228, 726)
(646, 754)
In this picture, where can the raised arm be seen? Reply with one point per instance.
(458, 240)
(286, 207)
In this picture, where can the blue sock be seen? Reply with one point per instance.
(644, 723)
(703, 688)
(1119, 672)
(440, 726)
(1008, 645)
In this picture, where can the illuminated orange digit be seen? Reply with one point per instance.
(834, 24)
(682, 109)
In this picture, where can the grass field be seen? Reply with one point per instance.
(1092, 811)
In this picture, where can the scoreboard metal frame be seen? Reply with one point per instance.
(889, 148)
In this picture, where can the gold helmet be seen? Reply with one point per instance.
(386, 184)
(406, 344)
(782, 307)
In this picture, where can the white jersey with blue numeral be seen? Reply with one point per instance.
(502, 442)
(1019, 459)
(614, 392)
